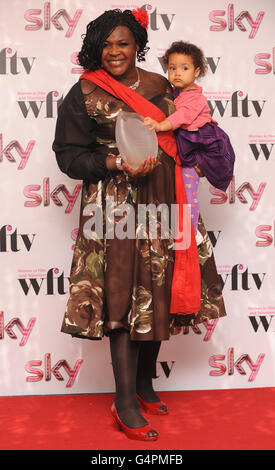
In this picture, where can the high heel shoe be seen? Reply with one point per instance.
(153, 408)
(139, 434)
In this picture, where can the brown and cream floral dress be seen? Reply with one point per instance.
(121, 274)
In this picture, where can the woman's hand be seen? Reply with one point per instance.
(146, 167)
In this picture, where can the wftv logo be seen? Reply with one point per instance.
(238, 106)
(157, 20)
(267, 237)
(238, 20)
(257, 320)
(257, 149)
(37, 374)
(231, 364)
(49, 283)
(212, 62)
(8, 328)
(165, 368)
(232, 193)
(48, 103)
(242, 280)
(48, 196)
(13, 241)
(14, 64)
(214, 235)
(14, 145)
(32, 17)
(266, 67)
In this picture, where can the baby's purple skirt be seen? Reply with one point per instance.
(210, 147)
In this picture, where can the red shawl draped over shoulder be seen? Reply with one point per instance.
(186, 284)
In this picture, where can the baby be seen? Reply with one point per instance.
(204, 148)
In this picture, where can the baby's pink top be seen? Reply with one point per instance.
(192, 110)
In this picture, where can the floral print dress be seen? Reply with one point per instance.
(121, 273)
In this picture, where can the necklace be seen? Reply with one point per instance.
(136, 84)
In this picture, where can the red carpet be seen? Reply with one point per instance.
(206, 420)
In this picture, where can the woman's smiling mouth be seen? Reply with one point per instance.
(115, 61)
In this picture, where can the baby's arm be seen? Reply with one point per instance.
(158, 126)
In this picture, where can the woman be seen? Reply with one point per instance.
(122, 287)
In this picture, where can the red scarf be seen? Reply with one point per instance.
(186, 285)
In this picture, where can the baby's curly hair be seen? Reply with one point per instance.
(99, 29)
(180, 47)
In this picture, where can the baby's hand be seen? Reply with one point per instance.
(151, 123)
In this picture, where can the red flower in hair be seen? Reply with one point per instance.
(142, 17)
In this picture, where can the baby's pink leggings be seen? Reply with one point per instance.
(191, 182)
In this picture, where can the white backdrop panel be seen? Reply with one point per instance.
(40, 205)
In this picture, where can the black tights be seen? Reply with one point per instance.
(134, 365)
(146, 370)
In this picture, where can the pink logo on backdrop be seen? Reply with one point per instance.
(37, 373)
(11, 63)
(241, 193)
(266, 238)
(74, 234)
(8, 328)
(229, 20)
(74, 60)
(209, 326)
(42, 194)
(46, 19)
(13, 150)
(264, 65)
(231, 365)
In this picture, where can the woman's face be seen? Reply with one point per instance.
(119, 52)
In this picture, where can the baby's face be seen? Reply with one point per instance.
(181, 71)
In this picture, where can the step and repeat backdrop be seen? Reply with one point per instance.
(40, 205)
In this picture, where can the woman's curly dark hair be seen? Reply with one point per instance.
(180, 47)
(99, 29)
